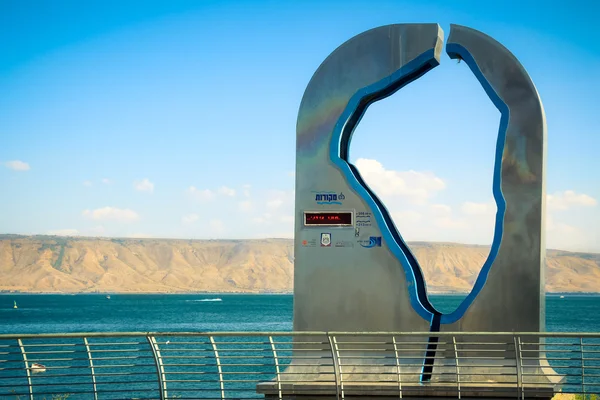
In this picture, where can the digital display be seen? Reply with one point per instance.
(328, 218)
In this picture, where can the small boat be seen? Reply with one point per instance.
(108, 296)
(37, 368)
(562, 297)
(15, 305)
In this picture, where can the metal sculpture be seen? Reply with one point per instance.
(353, 269)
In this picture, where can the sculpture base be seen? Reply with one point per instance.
(384, 391)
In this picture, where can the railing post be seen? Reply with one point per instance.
(517, 344)
(276, 366)
(339, 361)
(398, 369)
(26, 368)
(582, 367)
(162, 384)
(89, 353)
(221, 383)
(334, 358)
(456, 365)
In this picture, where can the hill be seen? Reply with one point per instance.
(58, 264)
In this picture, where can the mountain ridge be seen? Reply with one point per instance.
(56, 264)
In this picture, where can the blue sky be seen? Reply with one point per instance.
(177, 118)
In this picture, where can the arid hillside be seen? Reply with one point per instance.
(57, 264)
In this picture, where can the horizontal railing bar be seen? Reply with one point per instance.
(483, 358)
(84, 352)
(224, 350)
(349, 342)
(485, 350)
(85, 366)
(76, 383)
(228, 365)
(387, 357)
(562, 375)
(82, 345)
(40, 360)
(214, 365)
(144, 350)
(81, 375)
(553, 358)
(233, 373)
(391, 350)
(89, 392)
(217, 373)
(48, 352)
(486, 343)
(298, 342)
(210, 398)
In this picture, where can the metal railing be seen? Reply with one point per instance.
(278, 365)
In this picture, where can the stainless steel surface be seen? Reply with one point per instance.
(238, 365)
(349, 287)
(160, 371)
(513, 296)
(364, 277)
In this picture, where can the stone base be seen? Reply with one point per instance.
(384, 391)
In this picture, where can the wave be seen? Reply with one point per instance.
(215, 299)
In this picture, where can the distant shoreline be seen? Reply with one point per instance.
(249, 293)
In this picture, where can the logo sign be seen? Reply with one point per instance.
(325, 198)
(374, 241)
(344, 243)
(325, 239)
(309, 243)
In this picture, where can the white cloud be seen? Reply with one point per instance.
(440, 210)
(189, 218)
(564, 236)
(406, 217)
(225, 191)
(17, 165)
(64, 232)
(278, 198)
(443, 217)
(106, 181)
(274, 203)
(201, 195)
(144, 185)
(473, 208)
(246, 190)
(265, 218)
(87, 183)
(450, 222)
(561, 201)
(245, 206)
(286, 219)
(111, 214)
(417, 187)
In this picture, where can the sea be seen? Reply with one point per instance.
(61, 313)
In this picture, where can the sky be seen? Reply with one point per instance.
(176, 119)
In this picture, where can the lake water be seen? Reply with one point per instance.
(234, 312)
(127, 370)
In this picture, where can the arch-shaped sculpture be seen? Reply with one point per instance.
(353, 270)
